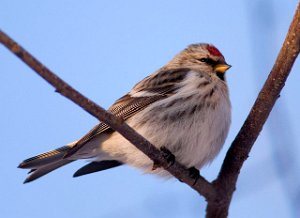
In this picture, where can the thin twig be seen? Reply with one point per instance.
(242, 144)
(220, 193)
(202, 186)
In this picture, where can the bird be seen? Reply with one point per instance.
(183, 107)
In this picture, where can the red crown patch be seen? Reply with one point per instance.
(214, 51)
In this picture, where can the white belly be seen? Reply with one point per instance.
(194, 131)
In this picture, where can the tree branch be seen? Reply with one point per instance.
(219, 193)
(242, 144)
(202, 186)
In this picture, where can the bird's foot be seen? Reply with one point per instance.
(168, 156)
(194, 174)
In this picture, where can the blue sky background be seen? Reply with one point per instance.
(102, 48)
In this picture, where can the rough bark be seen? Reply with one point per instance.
(218, 193)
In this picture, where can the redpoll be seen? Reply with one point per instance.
(184, 107)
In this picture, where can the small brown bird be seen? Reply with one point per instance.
(184, 107)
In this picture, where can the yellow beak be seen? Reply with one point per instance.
(221, 68)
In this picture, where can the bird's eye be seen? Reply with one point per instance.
(208, 61)
(205, 60)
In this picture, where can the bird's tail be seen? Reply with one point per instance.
(46, 162)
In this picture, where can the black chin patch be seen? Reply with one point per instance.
(221, 76)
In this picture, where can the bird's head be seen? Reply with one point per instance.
(202, 57)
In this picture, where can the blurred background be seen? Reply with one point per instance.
(102, 48)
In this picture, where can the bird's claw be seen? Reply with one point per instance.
(194, 174)
(167, 155)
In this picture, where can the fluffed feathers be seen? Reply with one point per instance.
(183, 106)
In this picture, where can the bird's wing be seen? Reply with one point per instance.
(95, 166)
(153, 88)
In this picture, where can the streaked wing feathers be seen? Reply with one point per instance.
(157, 86)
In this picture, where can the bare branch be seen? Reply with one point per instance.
(177, 170)
(219, 193)
(242, 144)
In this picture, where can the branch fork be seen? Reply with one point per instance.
(217, 193)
